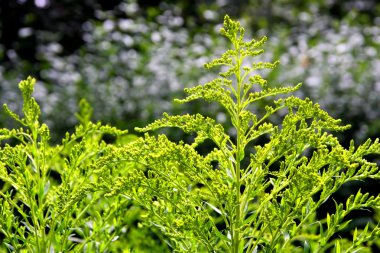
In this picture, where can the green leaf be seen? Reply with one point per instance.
(337, 247)
(306, 247)
(214, 208)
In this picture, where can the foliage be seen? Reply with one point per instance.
(52, 196)
(257, 190)
(264, 200)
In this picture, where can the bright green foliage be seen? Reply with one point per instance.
(257, 190)
(261, 196)
(52, 196)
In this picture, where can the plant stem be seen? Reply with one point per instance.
(236, 239)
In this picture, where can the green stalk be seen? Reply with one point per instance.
(40, 231)
(237, 243)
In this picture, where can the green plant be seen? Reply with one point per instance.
(255, 190)
(259, 189)
(52, 196)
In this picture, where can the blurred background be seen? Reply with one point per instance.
(130, 58)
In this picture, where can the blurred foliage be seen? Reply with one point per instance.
(128, 58)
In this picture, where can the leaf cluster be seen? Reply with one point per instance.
(52, 197)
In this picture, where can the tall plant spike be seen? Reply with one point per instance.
(266, 201)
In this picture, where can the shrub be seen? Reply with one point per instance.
(256, 189)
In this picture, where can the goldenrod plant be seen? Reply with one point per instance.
(259, 189)
(51, 196)
(256, 189)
